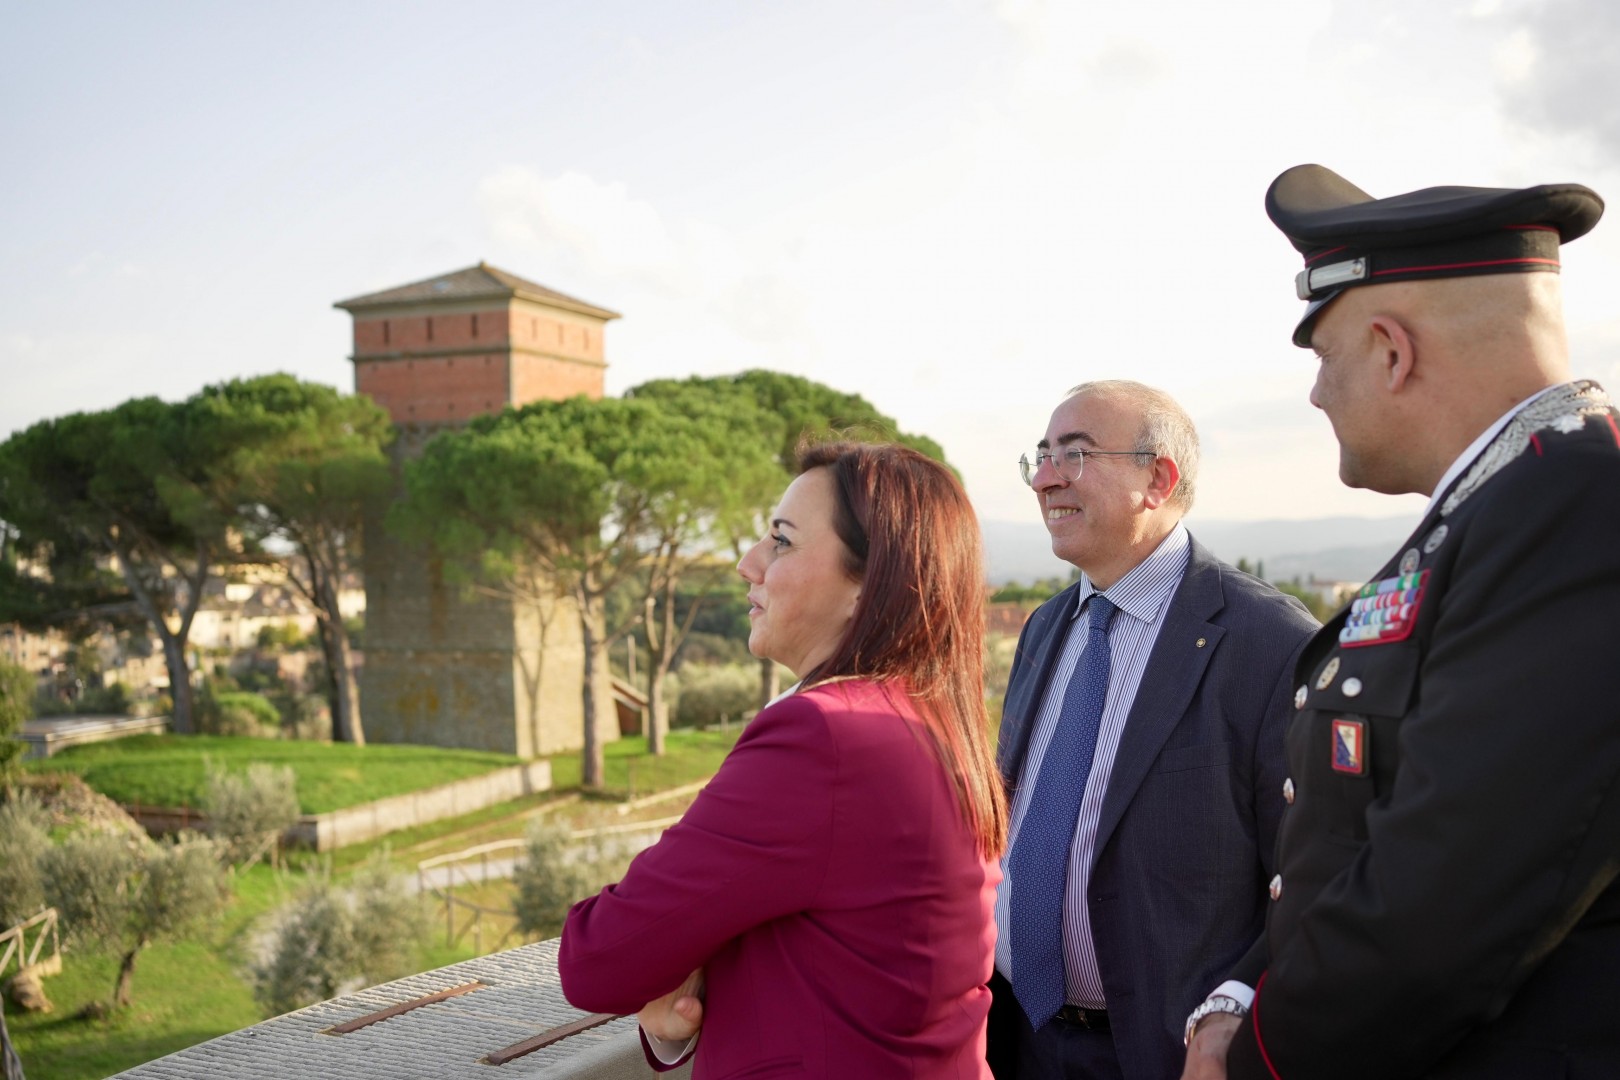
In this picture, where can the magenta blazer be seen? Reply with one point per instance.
(827, 882)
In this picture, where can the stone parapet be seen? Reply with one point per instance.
(413, 1028)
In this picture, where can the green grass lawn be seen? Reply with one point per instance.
(172, 770)
(631, 772)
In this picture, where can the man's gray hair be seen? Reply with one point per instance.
(1166, 431)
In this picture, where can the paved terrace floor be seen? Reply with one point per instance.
(517, 998)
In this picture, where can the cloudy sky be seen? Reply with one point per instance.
(956, 208)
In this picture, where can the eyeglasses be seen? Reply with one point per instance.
(1069, 461)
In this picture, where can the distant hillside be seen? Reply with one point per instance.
(1336, 548)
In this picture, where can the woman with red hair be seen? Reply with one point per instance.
(824, 909)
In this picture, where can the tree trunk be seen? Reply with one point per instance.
(770, 683)
(660, 651)
(657, 710)
(598, 690)
(345, 693)
(182, 720)
(126, 975)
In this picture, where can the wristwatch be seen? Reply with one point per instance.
(1215, 1003)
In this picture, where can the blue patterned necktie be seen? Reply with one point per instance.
(1039, 864)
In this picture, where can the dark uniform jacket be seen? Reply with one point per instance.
(1446, 902)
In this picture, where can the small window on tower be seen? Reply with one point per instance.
(385, 331)
(430, 328)
(475, 326)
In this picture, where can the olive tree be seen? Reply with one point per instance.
(124, 895)
(248, 811)
(333, 937)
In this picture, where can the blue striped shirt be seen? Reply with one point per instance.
(1142, 596)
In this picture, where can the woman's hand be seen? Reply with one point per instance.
(678, 1014)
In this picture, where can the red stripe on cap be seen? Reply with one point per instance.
(1535, 441)
(1614, 428)
(1539, 228)
(1254, 1018)
(1325, 254)
(1463, 266)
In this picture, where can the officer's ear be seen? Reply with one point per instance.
(1395, 349)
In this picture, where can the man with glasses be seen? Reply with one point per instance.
(1142, 749)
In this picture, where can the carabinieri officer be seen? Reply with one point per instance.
(1446, 902)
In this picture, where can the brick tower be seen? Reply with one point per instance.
(440, 668)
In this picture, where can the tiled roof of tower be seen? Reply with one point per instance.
(474, 283)
(517, 998)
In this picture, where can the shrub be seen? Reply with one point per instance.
(331, 939)
(23, 839)
(550, 877)
(283, 636)
(110, 700)
(701, 649)
(390, 920)
(712, 694)
(311, 951)
(248, 811)
(242, 712)
(16, 708)
(303, 716)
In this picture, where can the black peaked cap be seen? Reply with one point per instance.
(1349, 238)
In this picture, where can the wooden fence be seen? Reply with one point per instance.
(14, 943)
(495, 861)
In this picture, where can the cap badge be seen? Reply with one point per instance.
(1307, 281)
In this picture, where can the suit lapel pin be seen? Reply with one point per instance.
(1410, 561)
(1435, 539)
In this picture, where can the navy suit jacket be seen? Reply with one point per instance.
(1184, 849)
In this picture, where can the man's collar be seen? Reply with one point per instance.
(1141, 593)
(1478, 446)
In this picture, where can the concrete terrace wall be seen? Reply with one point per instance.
(357, 824)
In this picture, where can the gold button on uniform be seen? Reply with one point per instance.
(1288, 791)
(1276, 887)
